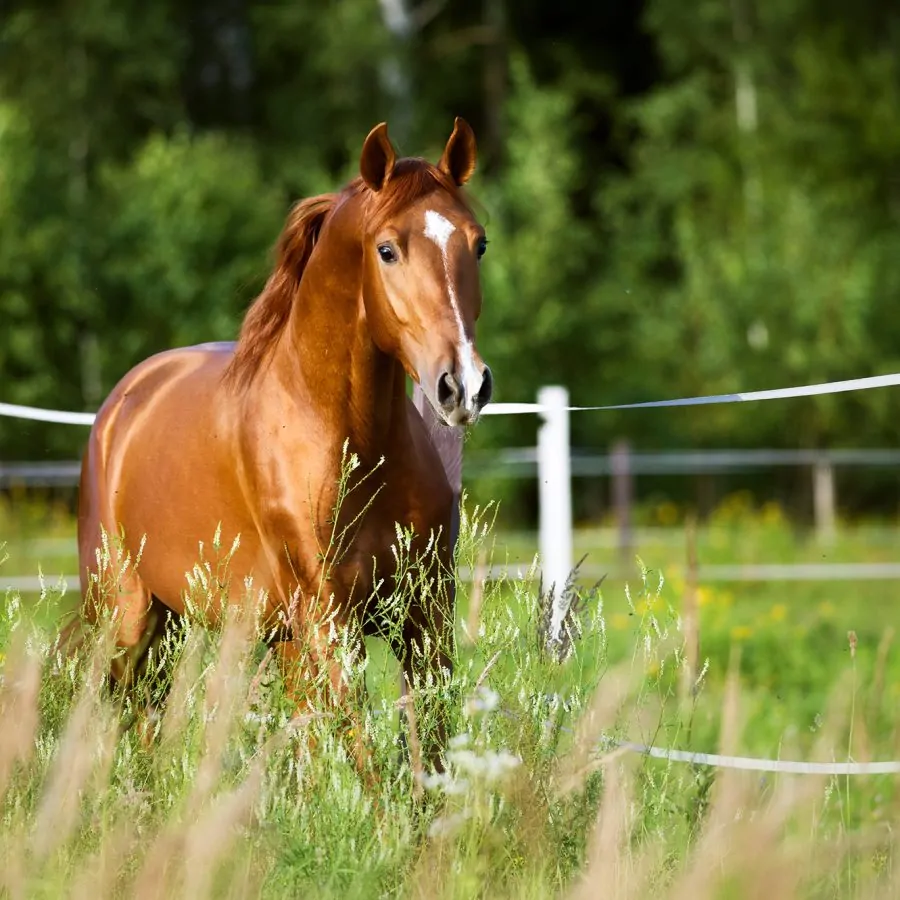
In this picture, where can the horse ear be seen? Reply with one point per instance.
(460, 154)
(378, 157)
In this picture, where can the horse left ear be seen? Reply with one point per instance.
(378, 157)
(460, 155)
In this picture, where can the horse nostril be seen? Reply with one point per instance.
(447, 389)
(486, 389)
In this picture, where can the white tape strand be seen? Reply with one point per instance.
(753, 764)
(61, 417)
(508, 409)
(808, 390)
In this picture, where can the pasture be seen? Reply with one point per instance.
(227, 795)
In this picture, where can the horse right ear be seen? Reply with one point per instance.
(378, 157)
(459, 158)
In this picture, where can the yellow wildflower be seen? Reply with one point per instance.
(667, 514)
(771, 514)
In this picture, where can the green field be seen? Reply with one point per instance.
(229, 800)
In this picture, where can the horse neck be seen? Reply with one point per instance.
(358, 392)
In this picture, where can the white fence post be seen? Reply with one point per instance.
(824, 500)
(623, 498)
(555, 496)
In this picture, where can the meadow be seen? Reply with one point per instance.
(229, 794)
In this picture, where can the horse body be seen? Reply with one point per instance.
(269, 478)
(370, 284)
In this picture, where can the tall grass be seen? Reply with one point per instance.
(222, 790)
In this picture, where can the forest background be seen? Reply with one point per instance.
(680, 198)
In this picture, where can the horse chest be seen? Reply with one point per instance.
(403, 528)
(345, 527)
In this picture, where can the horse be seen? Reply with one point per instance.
(375, 282)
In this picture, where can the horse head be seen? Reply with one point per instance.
(422, 247)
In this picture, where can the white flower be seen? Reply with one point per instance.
(499, 764)
(435, 782)
(446, 783)
(489, 766)
(446, 825)
(466, 761)
(484, 700)
(456, 787)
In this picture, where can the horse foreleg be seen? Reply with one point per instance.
(125, 607)
(318, 685)
(124, 612)
(427, 669)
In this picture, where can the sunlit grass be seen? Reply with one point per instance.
(230, 799)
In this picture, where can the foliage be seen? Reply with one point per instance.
(193, 220)
(679, 199)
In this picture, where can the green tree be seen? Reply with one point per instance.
(753, 226)
(191, 220)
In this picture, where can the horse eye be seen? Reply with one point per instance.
(482, 246)
(386, 252)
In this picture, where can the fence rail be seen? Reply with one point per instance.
(705, 574)
(37, 474)
(522, 462)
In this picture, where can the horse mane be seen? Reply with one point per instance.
(269, 312)
(411, 179)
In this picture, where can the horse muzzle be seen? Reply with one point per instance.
(461, 395)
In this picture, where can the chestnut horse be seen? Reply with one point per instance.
(370, 284)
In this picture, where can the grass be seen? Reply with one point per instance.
(234, 796)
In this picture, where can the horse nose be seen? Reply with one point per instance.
(448, 390)
(483, 397)
(453, 394)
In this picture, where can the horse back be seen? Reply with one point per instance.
(160, 465)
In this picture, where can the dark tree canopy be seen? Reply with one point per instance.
(681, 198)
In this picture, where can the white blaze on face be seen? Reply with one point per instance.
(439, 229)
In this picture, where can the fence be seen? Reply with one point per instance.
(554, 464)
(34, 474)
(548, 462)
